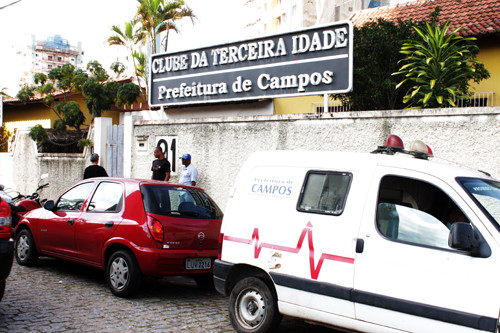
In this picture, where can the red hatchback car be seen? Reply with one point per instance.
(127, 227)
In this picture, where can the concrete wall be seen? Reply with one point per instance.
(22, 168)
(219, 146)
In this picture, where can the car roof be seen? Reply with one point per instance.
(137, 181)
(352, 161)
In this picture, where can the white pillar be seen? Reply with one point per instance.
(128, 132)
(101, 125)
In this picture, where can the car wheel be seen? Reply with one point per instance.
(123, 274)
(253, 307)
(26, 254)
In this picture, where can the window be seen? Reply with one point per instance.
(74, 198)
(107, 198)
(486, 193)
(324, 192)
(179, 202)
(417, 212)
(49, 58)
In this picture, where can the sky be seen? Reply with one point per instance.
(90, 22)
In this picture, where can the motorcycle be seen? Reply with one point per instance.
(21, 204)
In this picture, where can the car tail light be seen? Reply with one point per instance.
(221, 238)
(155, 228)
(5, 220)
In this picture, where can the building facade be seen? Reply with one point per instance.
(54, 52)
(277, 16)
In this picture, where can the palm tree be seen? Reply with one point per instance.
(440, 66)
(157, 16)
(140, 67)
(129, 37)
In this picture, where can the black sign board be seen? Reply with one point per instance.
(307, 62)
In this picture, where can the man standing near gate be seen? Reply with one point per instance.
(94, 169)
(161, 166)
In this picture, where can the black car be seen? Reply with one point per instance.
(6, 244)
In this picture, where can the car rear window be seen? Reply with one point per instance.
(179, 202)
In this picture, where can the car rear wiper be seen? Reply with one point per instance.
(183, 212)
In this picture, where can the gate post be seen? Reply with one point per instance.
(101, 125)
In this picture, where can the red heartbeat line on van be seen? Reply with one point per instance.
(307, 231)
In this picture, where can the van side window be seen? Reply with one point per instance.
(415, 211)
(324, 192)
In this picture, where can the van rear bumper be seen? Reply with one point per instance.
(221, 272)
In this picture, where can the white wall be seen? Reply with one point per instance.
(219, 146)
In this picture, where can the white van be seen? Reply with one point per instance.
(391, 241)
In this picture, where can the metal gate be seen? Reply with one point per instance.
(114, 146)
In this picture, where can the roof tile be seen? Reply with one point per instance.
(477, 17)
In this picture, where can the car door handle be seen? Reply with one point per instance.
(71, 221)
(109, 224)
(360, 245)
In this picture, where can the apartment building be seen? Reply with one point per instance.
(54, 52)
(277, 16)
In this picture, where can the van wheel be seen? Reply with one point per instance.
(123, 274)
(25, 250)
(253, 307)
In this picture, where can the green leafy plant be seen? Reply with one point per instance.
(59, 125)
(72, 115)
(118, 68)
(82, 143)
(440, 67)
(376, 54)
(127, 94)
(67, 79)
(38, 134)
(3, 93)
(156, 16)
(100, 93)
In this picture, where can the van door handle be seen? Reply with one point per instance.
(109, 224)
(360, 245)
(71, 222)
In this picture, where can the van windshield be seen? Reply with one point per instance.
(486, 193)
(179, 202)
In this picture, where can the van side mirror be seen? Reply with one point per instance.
(49, 205)
(463, 237)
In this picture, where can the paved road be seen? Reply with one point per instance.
(58, 296)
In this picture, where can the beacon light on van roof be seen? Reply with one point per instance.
(394, 144)
(394, 141)
(419, 146)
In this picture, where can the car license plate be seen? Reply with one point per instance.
(198, 263)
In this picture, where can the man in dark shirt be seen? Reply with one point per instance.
(94, 170)
(161, 166)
